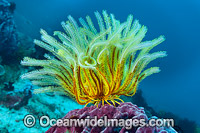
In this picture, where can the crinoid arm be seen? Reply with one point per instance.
(94, 65)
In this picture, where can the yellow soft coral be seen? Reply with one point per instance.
(91, 66)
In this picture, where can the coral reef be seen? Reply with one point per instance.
(181, 125)
(123, 111)
(15, 99)
(13, 44)
(25, 45)
(38, 106)
(96, 67)
(2, 70)
(11, 75)
(8, 39)
(17, 102)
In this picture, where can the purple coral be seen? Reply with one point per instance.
(123, 111)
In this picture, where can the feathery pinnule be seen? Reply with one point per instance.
(94, 65)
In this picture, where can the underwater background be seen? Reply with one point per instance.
(175, 89)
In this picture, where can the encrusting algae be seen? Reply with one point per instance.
(91, 66)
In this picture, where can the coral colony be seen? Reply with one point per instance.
(95, 66)
(8, 38)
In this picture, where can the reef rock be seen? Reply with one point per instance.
(123, 111)
(8, 41)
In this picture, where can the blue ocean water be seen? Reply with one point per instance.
(176, 88)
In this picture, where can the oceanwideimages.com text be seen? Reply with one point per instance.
(45, 121)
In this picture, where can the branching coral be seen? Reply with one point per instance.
(91, 66)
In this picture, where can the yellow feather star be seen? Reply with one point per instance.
(94, 67)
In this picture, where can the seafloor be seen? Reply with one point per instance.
(16, 97)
